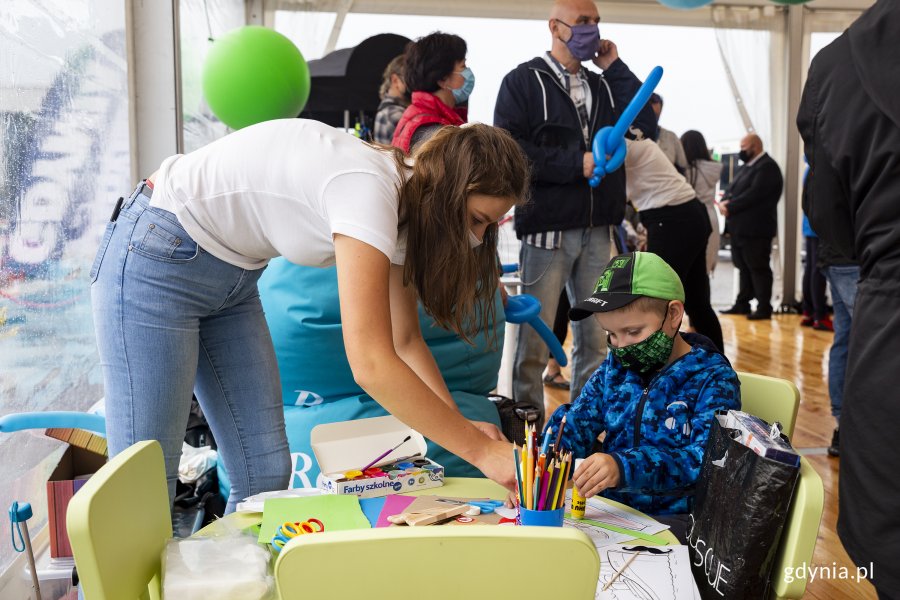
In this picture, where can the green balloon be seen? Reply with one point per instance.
(255, 74)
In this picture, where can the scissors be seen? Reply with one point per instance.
(288, 530)
(486, 506)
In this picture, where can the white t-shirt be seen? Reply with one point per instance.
(651, 180)
(283, 188)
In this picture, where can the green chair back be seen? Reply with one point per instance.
(440, 563)
(798, 540)
(119, 523)
(776, 399)
(771, 399)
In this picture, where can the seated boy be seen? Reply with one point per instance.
(655, 395)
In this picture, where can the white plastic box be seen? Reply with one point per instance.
(54, 577)
(351, 445)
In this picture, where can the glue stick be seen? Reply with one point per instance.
(578, 504)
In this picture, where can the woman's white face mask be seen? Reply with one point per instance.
(474, 242)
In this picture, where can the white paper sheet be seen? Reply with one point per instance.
(601, 537)
(598, 510)
(255, 503)
(664, 575)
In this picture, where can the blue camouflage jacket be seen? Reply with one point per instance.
(657, 430)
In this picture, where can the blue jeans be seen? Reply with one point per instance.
(575, 266)
(843, 280)
(172, 319)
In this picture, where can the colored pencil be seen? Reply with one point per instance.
(562, 425)
(546, 445)
(547, 485)
(529, 472)
(560, 474)
(538, 474)
(561, 502)
(518, 471)
(560, 480)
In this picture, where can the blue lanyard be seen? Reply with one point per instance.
(16, 516)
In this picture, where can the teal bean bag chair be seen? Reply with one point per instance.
(303, 312)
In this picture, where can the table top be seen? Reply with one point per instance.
(465, 487)
(458, 487)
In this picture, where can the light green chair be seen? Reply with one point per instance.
(771, 399)
(775, 399)
(118, 525)
(440, 563)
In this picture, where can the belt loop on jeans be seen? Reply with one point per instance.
(141, 189)
(145, 189)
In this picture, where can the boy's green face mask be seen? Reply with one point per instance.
(647, 355)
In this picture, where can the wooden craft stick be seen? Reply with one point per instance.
(619, 572)
(428, 516)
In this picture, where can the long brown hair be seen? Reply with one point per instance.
(456, 283)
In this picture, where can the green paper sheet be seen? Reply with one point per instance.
(337, 512)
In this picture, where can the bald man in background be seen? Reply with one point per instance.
(749, 206)
(552, 105)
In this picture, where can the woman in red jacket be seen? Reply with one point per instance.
(437, 75)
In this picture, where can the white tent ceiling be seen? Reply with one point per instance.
(630, 11)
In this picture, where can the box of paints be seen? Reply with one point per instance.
(373, 457)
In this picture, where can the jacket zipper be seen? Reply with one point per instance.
(590, 148)
(639, 414)
(588, 142)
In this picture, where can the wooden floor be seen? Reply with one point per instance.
(781, 348)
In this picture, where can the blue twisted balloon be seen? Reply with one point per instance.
(49, 419)
(525, 308)
(610, 141)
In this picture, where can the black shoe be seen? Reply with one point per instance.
(835, 448)
(759, 316)
(736, 310)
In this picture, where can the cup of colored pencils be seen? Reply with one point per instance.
(542, 471)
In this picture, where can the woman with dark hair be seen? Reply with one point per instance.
(437, 75)
(176, 305)
(703, 175)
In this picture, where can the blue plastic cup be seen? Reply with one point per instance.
(541, 518)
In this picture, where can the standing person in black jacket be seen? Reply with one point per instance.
(750, 216)
(850, 122)
(553, 106)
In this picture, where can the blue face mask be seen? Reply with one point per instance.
(462, 93)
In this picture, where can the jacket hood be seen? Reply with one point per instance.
(873, 50)
(537, 63)
(710, 168)
(699, 340)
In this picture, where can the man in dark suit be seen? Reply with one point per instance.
(750, 217)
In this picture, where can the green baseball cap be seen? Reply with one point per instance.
(626, 278)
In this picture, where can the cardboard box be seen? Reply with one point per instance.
(757, 435)
(350, 445)
(73, 469)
